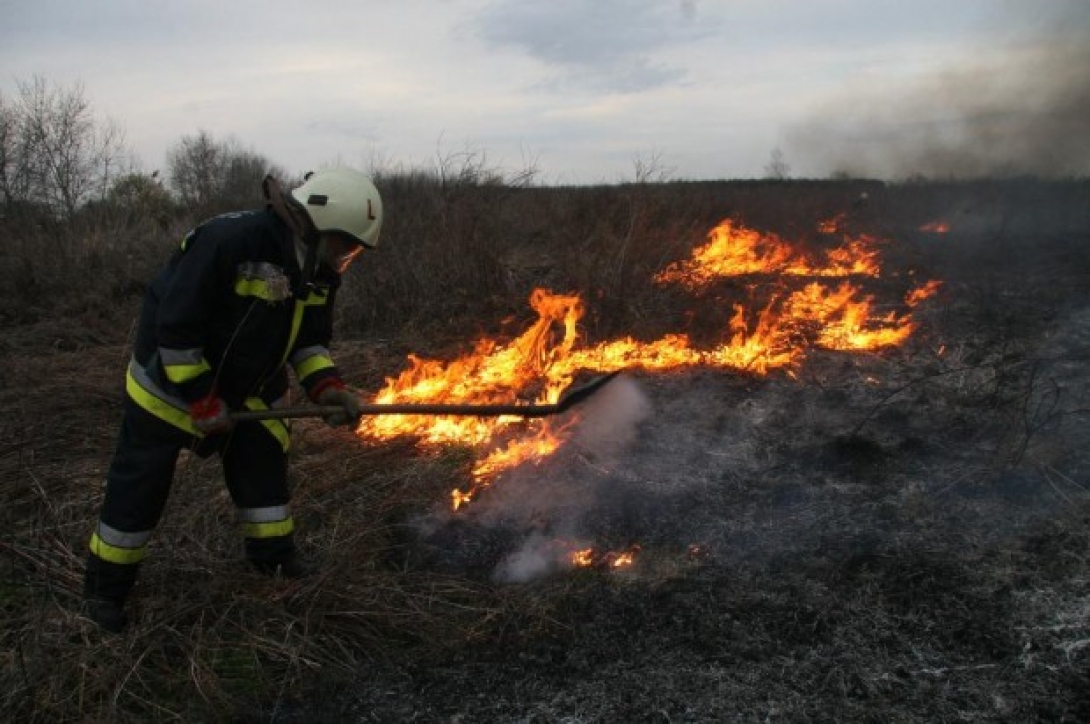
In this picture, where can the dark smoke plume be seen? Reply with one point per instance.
(1019, 108)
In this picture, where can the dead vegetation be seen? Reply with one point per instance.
(896, 536)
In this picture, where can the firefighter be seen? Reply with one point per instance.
(246, 296)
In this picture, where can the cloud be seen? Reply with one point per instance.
(585, 85)
(602, 45)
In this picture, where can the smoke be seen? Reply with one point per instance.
(1020, 107)
(549, 505)
(538, 556)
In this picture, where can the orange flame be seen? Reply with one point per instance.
(833, 225)
(928, 290)
(538, 365)
(583, 558)
(491, 373)
(588, 557)
(735, 251)
(936, 227)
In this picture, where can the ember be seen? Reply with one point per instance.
(588, 558)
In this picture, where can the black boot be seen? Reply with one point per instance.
(293, 567)
(277, 556)
(109, 615)
(105, 587)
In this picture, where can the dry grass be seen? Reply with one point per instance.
(209, 635)
(932, 627)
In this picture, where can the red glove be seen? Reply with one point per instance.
(210, 415)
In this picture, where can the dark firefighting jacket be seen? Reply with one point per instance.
(226, 316)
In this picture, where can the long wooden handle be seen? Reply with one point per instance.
(285, 413)
(569, 398)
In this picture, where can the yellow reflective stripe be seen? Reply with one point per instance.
(179, 417)
(277, 428)
(157, 406)
(183, 373)
(296, 323)
(256, 288)
(311, 365)
(275, 529)
(314, 299)
(116, 554)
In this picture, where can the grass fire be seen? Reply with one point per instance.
(842, 471)
(545, 359)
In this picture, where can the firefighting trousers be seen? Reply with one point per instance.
(139, 481)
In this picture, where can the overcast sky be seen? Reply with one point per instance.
(582, 90)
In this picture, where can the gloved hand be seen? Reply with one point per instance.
(210, 415)
(336, 394)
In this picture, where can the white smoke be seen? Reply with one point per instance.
(552, 503)
(538, 556)
(610, 421)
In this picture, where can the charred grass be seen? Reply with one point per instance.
(894, 536)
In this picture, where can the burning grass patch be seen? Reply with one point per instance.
(897, 533)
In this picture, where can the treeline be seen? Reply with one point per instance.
(464, 243)
(59, 161)
(83, 227)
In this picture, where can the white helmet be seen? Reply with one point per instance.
(342, 199)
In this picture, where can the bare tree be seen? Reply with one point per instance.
(194, 166)
(777, 166)
(208, 174)
(10, 158)
(652, 169)
(55, 152)
(139, 195)
(242, 176)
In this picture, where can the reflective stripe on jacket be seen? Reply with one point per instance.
(226, 315)
(143, 390)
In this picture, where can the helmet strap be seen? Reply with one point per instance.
(292, 213)
(310, 267)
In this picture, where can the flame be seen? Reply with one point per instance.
(588, 558)
(936, 227)
(583, 558)
(622, 559)
(542, 362)
(491, 373)
(735, 251)
(919, 294)
(834, 224)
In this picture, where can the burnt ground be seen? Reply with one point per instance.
(894, 536)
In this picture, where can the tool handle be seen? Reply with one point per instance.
(285, 413)
(567, 400)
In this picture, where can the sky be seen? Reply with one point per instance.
(582, 91)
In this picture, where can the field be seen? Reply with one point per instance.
(888, 534)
